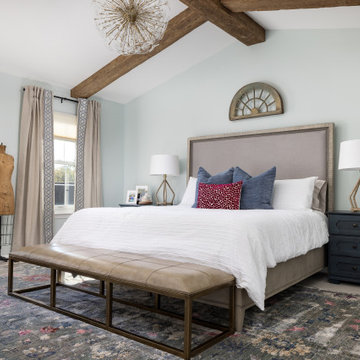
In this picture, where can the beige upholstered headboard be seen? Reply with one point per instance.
(296, 152)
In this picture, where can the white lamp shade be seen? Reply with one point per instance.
(163, 164)
(349, 157)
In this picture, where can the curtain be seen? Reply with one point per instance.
(88, 164)
(34, 203)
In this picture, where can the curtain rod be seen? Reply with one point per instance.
(62, 98)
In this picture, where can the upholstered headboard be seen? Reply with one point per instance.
(296, 152)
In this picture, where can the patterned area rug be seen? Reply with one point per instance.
(299, 323)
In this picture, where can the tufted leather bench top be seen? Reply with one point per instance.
(134, 269)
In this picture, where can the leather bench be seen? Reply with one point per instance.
(160, 277)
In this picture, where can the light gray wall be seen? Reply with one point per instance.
(316, 72)
(112, 151)
(10, 94)
(112, 125)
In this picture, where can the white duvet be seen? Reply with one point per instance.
(244, 243)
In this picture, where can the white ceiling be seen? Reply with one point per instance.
(56, 42)
(327, 18)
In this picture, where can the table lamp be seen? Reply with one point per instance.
(164, 165)
(349, 159)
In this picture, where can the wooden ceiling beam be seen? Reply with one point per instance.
(239, 25)
(240, 6)
(178, 27)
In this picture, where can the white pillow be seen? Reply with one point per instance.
(293, 194)
(189, 196)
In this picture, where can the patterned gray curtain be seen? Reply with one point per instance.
(88, 163)
(81, 128)
(34, 203)
(49, 183)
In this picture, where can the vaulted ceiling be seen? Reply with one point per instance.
(57, 42)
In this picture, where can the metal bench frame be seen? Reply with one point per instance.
(106, 292)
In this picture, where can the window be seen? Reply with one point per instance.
(64, 162)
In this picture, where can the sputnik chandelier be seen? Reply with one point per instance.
(132, 26)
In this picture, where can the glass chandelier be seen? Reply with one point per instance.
(132, 26)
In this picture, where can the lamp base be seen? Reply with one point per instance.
(164, 185)
(354, 205)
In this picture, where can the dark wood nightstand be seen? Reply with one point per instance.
(344, 246)
(137, 205)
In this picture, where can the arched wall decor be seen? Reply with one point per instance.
(254, 100)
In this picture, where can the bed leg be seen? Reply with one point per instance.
(109, 303)
(10, 276)
(187, 327)
(232, 302)
(53, 288)
(239, 318)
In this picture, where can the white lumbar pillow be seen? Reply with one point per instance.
(189, 196)
(293, 194)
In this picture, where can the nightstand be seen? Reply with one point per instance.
(344, 246)
(137, 205)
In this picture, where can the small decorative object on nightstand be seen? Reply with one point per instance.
(349, 159)
(146, 199)
(164, 165)
(141, 190)
(344, 246)
(131, 197)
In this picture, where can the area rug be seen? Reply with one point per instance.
(299, 323)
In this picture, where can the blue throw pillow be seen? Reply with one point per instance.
(225, 177)
(257, 191)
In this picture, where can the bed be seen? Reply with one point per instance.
(159, 234)
(297, 152)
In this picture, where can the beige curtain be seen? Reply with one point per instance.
(88, 191)
(33, 220)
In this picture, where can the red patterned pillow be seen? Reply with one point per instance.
(223, 196)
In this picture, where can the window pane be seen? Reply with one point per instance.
(70, 174)
(59, 174)
(59, 194)
(65, 157)
(71, 194)
(59, 150)
(70, 151)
